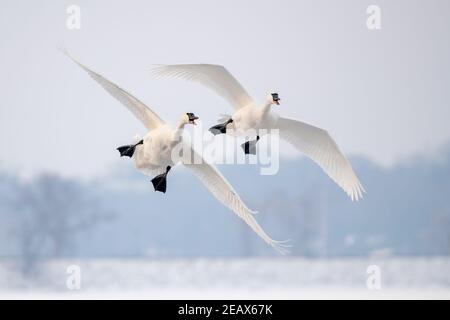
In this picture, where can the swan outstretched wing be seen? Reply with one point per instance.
(215, 77)
(149, 118)
(318, 145)
(224, 192)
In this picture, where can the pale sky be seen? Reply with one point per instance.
(381, 94)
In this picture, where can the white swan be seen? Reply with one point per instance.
(314, 142)
(152, 155)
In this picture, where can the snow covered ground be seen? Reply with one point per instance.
(217, 278)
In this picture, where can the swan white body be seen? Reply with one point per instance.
(154, 155)
(314, 142)
(251, 117)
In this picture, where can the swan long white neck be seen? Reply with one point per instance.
(179, 130)
(266, 108)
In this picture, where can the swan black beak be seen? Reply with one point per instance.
(275, 98)
(192, 117)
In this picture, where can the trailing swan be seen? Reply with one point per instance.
(153, 155)
(314, 142)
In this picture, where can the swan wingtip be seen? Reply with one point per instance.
(282, 246)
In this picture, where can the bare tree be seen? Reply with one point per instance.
(51, 212)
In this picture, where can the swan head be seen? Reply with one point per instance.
(274, 98)
(189, 118)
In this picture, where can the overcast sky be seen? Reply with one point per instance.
(382, 94)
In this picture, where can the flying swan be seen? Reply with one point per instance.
(314, 142)
(153, 155)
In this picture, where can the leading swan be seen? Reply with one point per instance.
(153, 155)
(314, 142)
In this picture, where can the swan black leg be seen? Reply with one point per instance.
(250, 146)
(160, 181)
(128, 150)
(220, 128)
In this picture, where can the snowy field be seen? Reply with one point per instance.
(214, 278)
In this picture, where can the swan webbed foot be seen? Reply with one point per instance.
(249, 147)
(220, 128)
(160, 181)
(128, 150)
